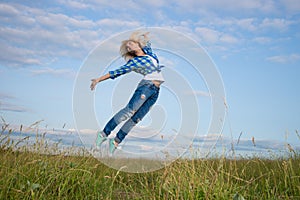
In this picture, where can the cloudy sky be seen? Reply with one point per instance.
(254, 45)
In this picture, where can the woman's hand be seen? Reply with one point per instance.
(94, 83)
(97, 80)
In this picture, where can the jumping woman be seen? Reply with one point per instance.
(140, 59)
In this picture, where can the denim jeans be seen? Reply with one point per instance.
(139, 105)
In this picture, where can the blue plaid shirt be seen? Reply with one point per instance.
(139, 64)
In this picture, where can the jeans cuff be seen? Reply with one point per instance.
(104, 134)
(117, 140)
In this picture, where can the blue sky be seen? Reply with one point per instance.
(254, 44)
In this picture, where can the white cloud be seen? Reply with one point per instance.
(234, 7)
(208, 35)
(277, 24)
(55, 72)
(155, 3)
(75, 4)
(32, 35)
(5, 106)
(117, 23)
(16, 57)
(165, 61)
(212, 36)
(178, 6)
(229, 39)
(255, 25)
(8, 10)
(262, 40)
(6, 96)
(10, 106)
(87, 131)
(103, 6)
(292, 6)
(199, 93)
(247, 24)
(284, 58)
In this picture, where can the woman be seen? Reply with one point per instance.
(140, 58)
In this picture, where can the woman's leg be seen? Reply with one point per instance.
(140, 96)
(138, 116)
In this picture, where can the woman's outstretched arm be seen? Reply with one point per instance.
(98, 80)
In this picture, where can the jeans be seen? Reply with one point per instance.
(139, 105)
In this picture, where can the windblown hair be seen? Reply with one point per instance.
(140, 37)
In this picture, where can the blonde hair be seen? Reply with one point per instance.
(139, 37)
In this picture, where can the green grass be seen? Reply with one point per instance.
(30, 175)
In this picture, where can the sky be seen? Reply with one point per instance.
(253, 44)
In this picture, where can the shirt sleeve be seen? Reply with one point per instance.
(128, 67)
(147, 49)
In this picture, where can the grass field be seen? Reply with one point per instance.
(26, 174)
